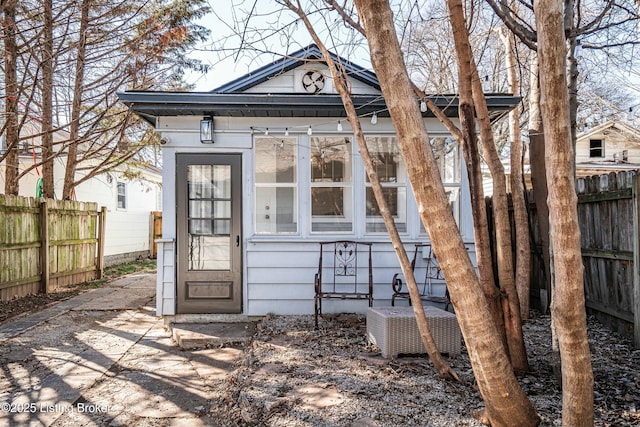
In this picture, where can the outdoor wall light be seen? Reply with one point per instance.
(206, 130)
(486, 84)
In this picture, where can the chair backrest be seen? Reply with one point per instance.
(426, 268)
(345, 266)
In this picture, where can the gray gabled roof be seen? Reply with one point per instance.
(229, 100)
(291, 61)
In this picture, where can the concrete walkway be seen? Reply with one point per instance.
(103, 358)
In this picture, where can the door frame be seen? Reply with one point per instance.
(209, 278)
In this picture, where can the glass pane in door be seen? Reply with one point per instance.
(209, 217)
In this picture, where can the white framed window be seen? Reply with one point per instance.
(122, 195)
(209, 199)
(391, 171)
(331, 184)
(276, 185)
(447, 153)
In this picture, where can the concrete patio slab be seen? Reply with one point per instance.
(103, 358)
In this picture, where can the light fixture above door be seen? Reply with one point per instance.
(206, 130)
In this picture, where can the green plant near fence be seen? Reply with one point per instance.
(46, 245)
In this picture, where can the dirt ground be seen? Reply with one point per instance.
(20, 306)
(293, 375)
(290, 374)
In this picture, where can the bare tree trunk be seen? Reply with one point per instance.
(521, 217)
(471, 154)
(568, 306)
(78, 89)
(339, 80)
(12, 133)
(540, 193)
(510, 305)
(47, 102)
(494, 374)
(538, 178)
(569, 25)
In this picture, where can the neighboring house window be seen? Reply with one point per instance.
(596, 148)
(391, 172)
(331, 184)
(276, 185)
(122, 195)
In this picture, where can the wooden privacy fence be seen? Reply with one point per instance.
(608, 218)
(155, 232)
(46, 244)
(607, 221)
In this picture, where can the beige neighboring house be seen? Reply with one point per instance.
(129, 202)
(610, 147)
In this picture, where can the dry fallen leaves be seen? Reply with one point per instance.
(294, 375)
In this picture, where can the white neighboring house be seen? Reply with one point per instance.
(613, 146)
(610, 147)
(244, 210)
(129, 203)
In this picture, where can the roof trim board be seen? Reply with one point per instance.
(151, 105)
(291, 61)
(231, 100)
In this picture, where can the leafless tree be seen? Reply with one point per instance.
(341, 83)
(493, 372)
(568, 302)
(11, 127)
(90, 49)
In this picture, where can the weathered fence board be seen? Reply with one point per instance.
(605, 211)
(636, 260)
(608, 234)
(46, 245)
(20, 247)
(155, 232)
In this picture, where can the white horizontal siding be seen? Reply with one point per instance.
(280, 277)
(165, 280)
(126, 232)
(363, 88)
(288, 307)
(281, 84)
(290, 82)
(279, 274)
(614, 142)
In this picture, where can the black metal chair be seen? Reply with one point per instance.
(429, 263)
(343, 273)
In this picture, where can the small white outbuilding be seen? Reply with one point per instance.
(259, 170)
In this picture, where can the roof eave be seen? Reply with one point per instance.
(150, 105)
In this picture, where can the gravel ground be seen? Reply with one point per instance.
(293, 375)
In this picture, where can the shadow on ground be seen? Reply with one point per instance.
(104, 358)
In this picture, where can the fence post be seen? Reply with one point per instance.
(102, 217)
(636, 261)
(151, 238)
(44, 246)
